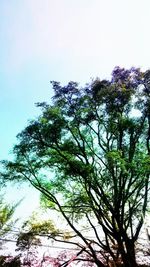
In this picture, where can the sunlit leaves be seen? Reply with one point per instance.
(6, 217)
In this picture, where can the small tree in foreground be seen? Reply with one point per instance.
(89, 156)
(6, 217)
(6, 225)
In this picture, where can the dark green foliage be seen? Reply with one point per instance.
(89, 153)
(7, 261)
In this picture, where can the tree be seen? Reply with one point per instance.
(30, 236)
(88, 154)
(6, 224)
(6, 214)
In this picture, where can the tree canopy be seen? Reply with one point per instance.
(88, 153)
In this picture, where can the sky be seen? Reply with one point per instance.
(62, 40)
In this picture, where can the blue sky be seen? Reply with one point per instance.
(63, 40)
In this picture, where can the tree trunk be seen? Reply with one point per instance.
(129, 259)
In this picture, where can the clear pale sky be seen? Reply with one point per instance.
(63, 40)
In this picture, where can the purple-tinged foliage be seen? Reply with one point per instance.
(131, 78)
